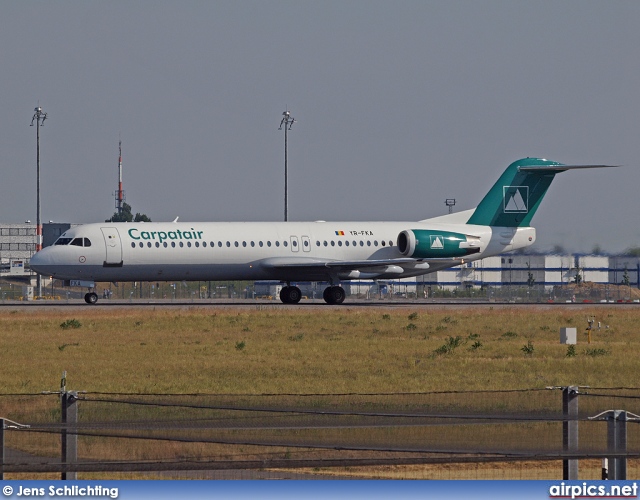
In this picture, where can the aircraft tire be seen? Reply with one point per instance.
(334, 295)
(91, 298)
(294, 295)
(338, 294)
(290, 295)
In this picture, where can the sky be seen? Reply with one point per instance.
(398, 106)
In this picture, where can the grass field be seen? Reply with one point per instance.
(227, 350)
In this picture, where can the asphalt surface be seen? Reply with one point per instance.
(305, 303)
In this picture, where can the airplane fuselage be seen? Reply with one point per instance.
(285, 251)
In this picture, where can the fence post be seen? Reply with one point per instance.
(570, 430)
(2, 457)
(3, 427)
(617, 443)
(69, 435)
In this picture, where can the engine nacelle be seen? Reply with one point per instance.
(423, 243)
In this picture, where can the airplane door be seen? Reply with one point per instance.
(113, 246)
(294, 244)
(306, 244)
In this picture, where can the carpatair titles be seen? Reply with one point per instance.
(161, 236)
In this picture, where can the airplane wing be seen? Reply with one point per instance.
(281, 262)
(310, 268)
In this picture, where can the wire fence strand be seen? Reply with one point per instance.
(126, 432)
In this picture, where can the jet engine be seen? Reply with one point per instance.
(424, 244)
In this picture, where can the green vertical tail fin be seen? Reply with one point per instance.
(515, 197)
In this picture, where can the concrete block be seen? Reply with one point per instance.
(568, 336)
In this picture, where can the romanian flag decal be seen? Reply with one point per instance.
(339, 233)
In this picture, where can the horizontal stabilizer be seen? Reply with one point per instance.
(561, 168)
(515, 197)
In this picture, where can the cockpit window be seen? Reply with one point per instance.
(77, 242)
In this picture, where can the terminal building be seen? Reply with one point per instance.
(529, 269)
(18, 244)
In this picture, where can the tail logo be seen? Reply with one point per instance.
(515, 199)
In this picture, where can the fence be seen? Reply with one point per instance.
(499, 434)
(206, 290)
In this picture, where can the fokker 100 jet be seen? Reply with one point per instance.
(291, 252)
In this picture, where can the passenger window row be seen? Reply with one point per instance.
(212, 244)
(252, 244)
(354, 243)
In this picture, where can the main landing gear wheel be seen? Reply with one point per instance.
(91, 298)
(334, 295)
(290, 294)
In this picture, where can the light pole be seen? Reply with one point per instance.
(450, 203)
(39, 117)
(286, 123)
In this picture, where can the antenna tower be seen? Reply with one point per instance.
(119, 192)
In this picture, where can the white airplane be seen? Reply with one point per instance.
(305, 251)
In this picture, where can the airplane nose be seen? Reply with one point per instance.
(39, 261)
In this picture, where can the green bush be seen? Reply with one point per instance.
(527, 349)
(476, 345)
(70, 323)
(596, 352)
(450, 345)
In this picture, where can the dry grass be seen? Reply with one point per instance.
(303, 351)
(525, 470)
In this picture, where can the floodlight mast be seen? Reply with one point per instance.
(450, 203)
(286, 123)
(39, 117)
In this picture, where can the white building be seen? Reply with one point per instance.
(624, 265)
(593, 268)
(18, 244)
